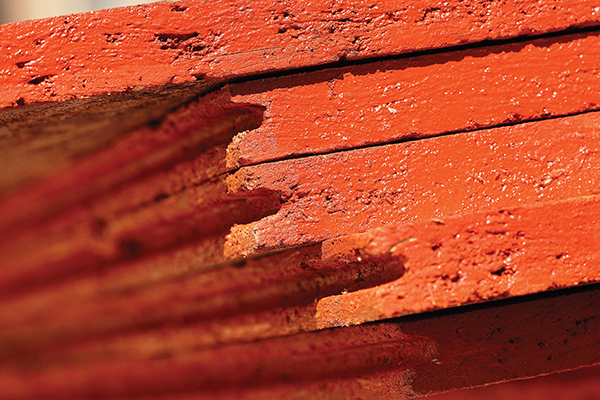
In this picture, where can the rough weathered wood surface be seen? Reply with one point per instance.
(415, 97)
(121, 203)
(313, 357)
(371, 160)
(352, 191)
(92, 308)
(471, 258)
(72, 84)
(404, 358)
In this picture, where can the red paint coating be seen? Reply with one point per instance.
(162, 44)
(348, 192)
(446, 350)
(295, 361)
(508, 340)
(382, 102)
(471, 258)
(108, 320)
(580, 384)
(206, 293)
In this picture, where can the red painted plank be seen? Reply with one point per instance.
(73, 84)
(430, 265)
(139, 330)
(471, 258)
(444, 351)
(508, 340)
(162, 44)
(387, 101)
(86, 309)
(294, 360)
(353, 191)
(583, 383)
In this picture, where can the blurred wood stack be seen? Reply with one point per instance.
(269, 199)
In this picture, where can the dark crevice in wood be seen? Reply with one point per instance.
(482, 45)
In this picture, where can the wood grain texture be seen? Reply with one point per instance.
(180, 139)
(154, 190)
(39, 142)
(96, 309)
(407, 357)
(294, 361)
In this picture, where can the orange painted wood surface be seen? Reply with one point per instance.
(352, 191)
(163, 44)
(193, 191)
(471, 258)
(429, 266)
(74, 84)
(416, 97)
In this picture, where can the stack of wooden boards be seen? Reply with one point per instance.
(265, 200)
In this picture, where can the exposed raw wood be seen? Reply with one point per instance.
(352, 191)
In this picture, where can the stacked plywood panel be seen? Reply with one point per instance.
(272, 200)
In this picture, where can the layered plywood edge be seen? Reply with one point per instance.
(268, 200)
